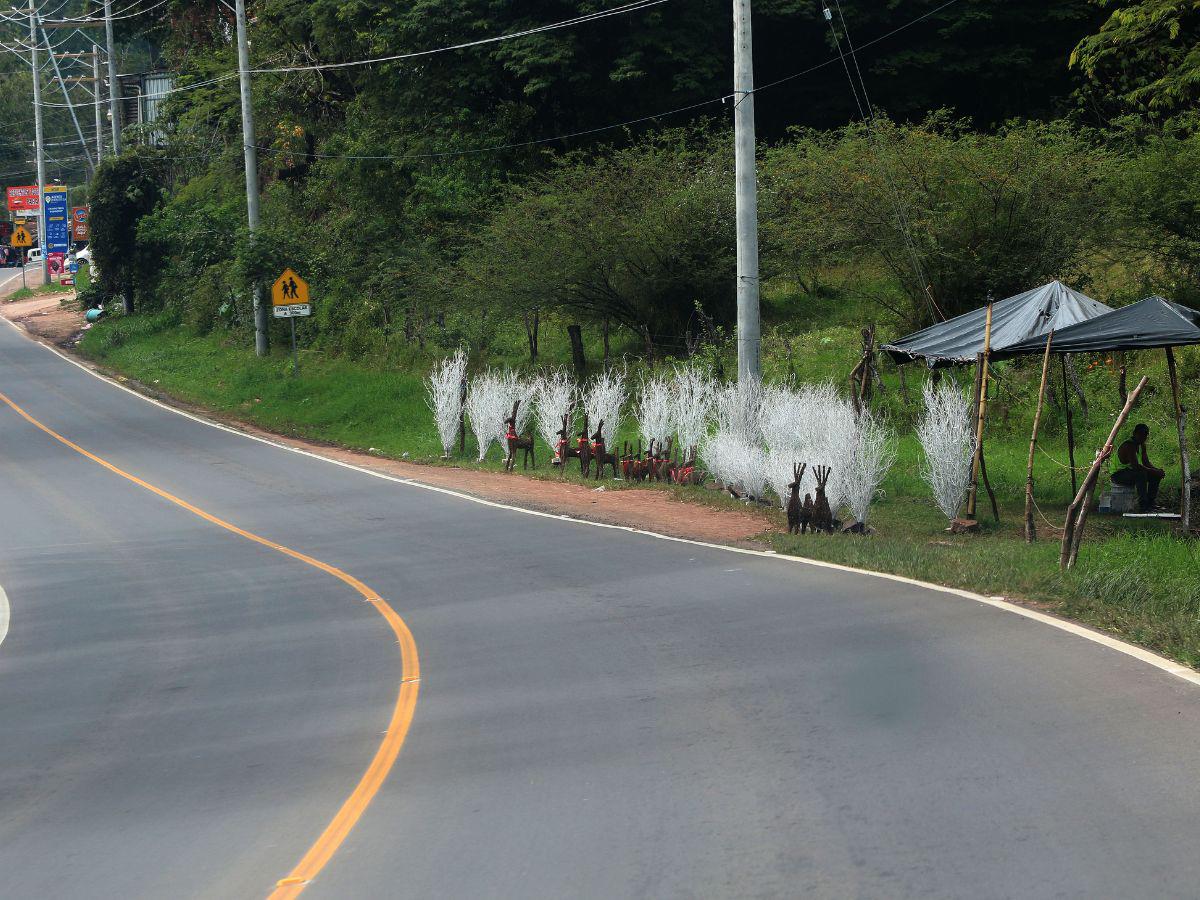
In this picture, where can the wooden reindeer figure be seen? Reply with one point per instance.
(601, 454)
(797, 521)
(638, 468)
(627, 462)
(822, 518)
(806, 514)
(518, 442)
(583, 449)
(563, 449)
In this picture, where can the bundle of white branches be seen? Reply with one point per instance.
(815, 425)
(655, 405)
(784, 423)
(692, 403)
(488, 405)
(948, 440)
(603, 400)
(443, 389)
(736, 462)
(737, 409)
(553, 398)
(870, 454)
(517, 390)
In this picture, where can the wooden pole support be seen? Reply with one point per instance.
(1030, 526)
(1185, 463)
(981, 407)
(1070, 423)
(1078, 510)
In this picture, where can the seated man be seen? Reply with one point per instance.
(1136, 469)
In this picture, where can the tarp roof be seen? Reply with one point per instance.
(1015, 320)
(1153, 322)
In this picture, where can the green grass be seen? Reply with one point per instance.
(27, 293)
(1133, 578)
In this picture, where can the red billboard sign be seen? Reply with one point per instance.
(23, 199)
(79, 223)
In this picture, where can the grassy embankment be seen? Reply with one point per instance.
(1133, 578)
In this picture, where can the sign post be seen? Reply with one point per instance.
(58, 228)
(289, 300)
(21, 239)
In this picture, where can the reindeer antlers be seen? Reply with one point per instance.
(822, 475)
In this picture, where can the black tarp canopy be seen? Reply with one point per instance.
(1153, 322)
(1016, 320)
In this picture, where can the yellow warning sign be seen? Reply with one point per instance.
(21, 238)
(289, 289)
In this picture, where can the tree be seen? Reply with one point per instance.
(1158, 189)
(126, 190)
(953, 214)
(638, 237)
(1144, 61)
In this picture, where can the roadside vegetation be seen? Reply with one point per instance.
(435, 208)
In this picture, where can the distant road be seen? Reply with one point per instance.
(184, 710)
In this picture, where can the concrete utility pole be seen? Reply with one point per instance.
(748, 329)
(37, 133)
(261, 344)
(96, 86)
(114, 86)
(67, 99)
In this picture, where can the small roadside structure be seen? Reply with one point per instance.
(1150, 324)
(1025, 317)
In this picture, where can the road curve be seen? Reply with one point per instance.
(183, 711)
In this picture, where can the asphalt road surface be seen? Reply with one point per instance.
(602, 714)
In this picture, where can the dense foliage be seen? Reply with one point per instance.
(583, 175)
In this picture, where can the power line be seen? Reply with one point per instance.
(626, 124)
(636, 6)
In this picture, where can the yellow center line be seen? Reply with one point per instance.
(406, 700)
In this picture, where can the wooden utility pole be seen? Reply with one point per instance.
(1030, 526)
(748, 326)
(981, 413)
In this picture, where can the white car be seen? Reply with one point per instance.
(34, 256)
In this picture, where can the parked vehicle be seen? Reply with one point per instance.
(34, 256)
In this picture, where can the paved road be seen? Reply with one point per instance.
(602, 714)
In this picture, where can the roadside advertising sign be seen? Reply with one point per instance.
(23, 198)
(56, 263)
(58, 232)
(79, 223)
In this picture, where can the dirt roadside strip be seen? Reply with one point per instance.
(46, 320)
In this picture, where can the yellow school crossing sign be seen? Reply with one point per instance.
(21, 237)
(289, 296)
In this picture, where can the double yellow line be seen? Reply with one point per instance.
(406, 700)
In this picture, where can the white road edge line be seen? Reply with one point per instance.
(5, 615)
(1170, 666)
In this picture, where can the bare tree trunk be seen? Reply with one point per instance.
(532, 322)
(575, 333)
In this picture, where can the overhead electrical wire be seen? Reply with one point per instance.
(635, 6)
(868, 115)
(590, 131)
